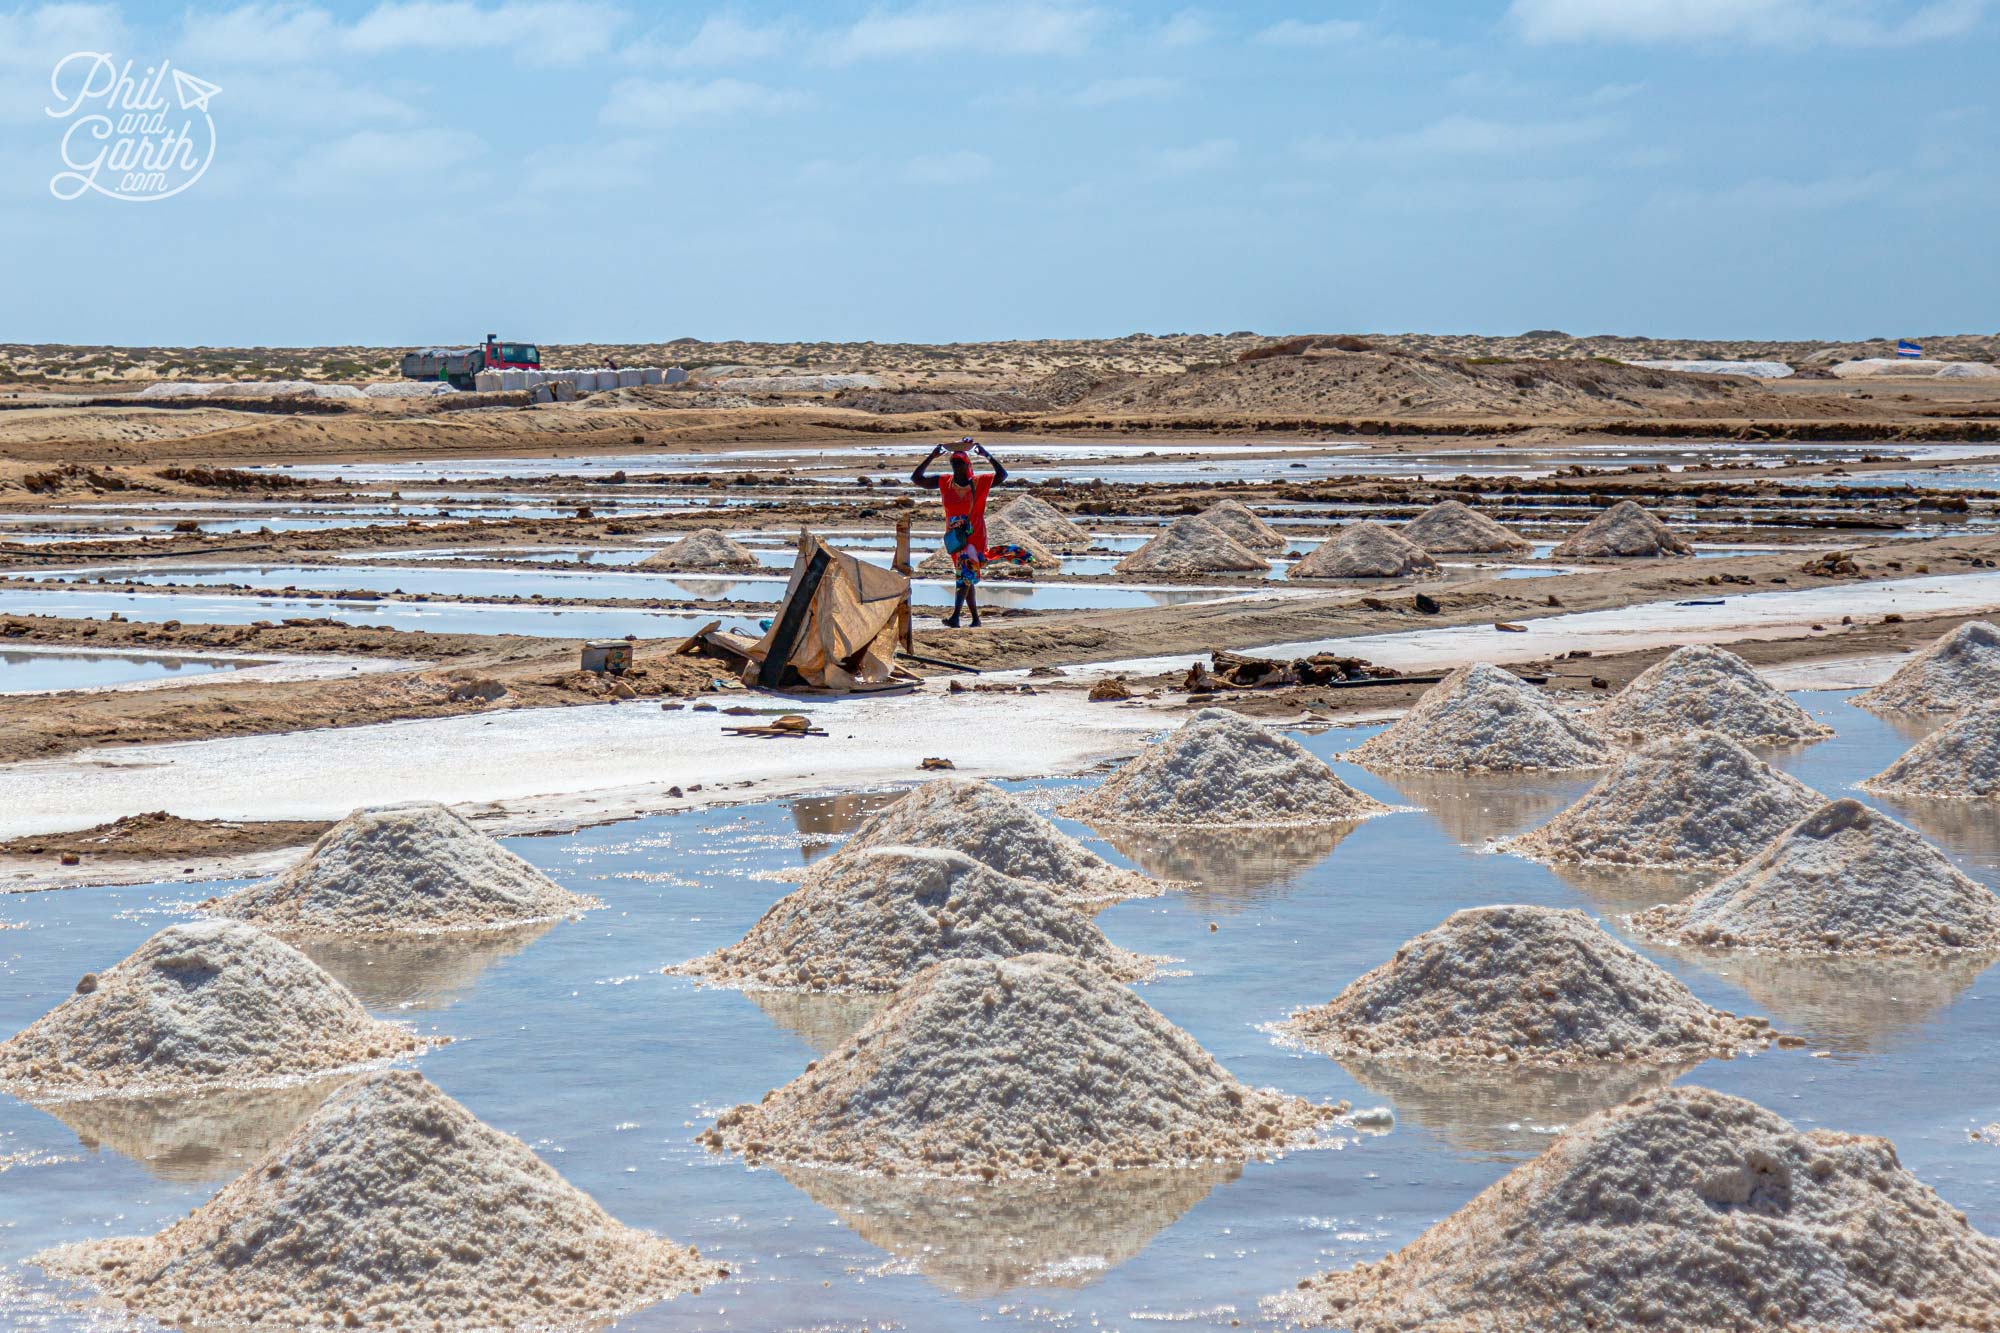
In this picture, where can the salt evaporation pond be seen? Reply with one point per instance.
(475, 582)
(23, 672)
(555, 622)
(571, 1039)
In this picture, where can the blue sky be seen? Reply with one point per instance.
(570, 170)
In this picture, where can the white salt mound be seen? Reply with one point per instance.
(1041, 560)
(1193, 546)
(1241, 522)
(1683, 1212)
(1482, 718)
(1365, 551)
(1045, 523)
(1704, 688)
(197, 1005)
(1532, 984)
(1018, 1066)
(1845, 880)
(1960, 762)
(1960, 670)
(1620, 531)
(391, 1206)
(870, 920)
(704, 549)
(1694, 801)
(1001, 831)
(1451, 527)
(416, 868)
(1219, 769)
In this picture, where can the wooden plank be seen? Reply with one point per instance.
(785, 634)
(692, 643)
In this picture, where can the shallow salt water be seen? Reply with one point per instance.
(35, 672)
(569, 1037)
(471, 581)
(572, 622)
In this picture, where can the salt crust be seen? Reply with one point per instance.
(870, 920)
(1193, 545)
(1004, 832)
(1021, 1066)
(199, 1005)
(1960, 762)
(1365, 551)
(1538, 985)
(1624, 530)
(1958, 671)
(392, 1205)
(1482, 718)
(1241, 522)
(1221, 769)
(1045, 523)
(704, 549)
(1693, 801)
(1452, 527)
(415, 868)
(1701, 687)
(1683, 1212)
(1844, 880)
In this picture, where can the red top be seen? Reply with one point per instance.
(967, 501)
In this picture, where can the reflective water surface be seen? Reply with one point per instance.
(572, 1039)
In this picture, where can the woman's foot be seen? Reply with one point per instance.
(951, 621)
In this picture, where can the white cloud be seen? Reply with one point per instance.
(556, 32)
(1459, 136)
(1326, 32)
(722, 39)
(1795, 23)
(1208, 155)
(987, 29)
(32, 40)
(1136, 88)
(960, 168)
(657, 103)
(1188, 28)
(1771, 194)
(426, 161)
(273, 34)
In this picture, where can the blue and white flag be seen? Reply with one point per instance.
(1908, 350)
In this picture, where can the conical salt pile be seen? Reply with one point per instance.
(1845, 880)
(870, 920)
(706, 549)
(1193, 546)
(1960, 762)
(1045, 523)
(417, 868)
(1701, 687)
(1221, 769)
(1960, 670)
(1010, 1067)
(1041, 560)
(1001, 831)
(1453, 528)
(196, 1005)
(1694, 801)
(1365, 551)
(1684, 1212)
(391, 1206)
(1537, 985)
(1482, 718)
(1622, 530)
(1240, 522)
